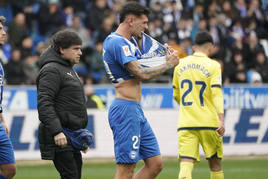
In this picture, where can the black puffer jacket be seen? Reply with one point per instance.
(61, 101)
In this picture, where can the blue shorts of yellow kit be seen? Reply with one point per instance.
(134, 138)
(6, 148)
(189, 141)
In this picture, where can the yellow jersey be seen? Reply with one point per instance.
(197, 89)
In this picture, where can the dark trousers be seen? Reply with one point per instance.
(68, 164)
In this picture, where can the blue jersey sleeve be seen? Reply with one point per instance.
(118, 51)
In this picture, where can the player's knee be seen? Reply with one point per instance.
(9, 172)
(215, 165)
(159, 167)
(215, 168)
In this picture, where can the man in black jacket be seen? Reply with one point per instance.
(61, 103)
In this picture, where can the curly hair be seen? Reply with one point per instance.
(64, 39)
(133, 8)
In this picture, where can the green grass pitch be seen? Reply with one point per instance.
(238, 168)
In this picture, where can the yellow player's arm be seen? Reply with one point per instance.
(216, 88)
(176, 86)
(217, 98)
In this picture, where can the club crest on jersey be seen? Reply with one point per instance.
(133, 154)
(126, 50)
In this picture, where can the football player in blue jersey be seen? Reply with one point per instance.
(134, 138)
(7, 159)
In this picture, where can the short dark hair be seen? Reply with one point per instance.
(2, 20)
(133, 8)
(202, 38)
(64, 39)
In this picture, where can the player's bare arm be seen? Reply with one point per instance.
(149, 73)
(221, 128)
(4, 123)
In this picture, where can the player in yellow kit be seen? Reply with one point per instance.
(197, 89)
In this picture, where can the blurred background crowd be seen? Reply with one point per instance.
(239, 29)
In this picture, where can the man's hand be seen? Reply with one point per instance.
(171, 57)
(60, 139)
(85, 151)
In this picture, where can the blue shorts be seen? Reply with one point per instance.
(134, 138)
(6, 148)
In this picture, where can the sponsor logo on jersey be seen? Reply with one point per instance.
(126, 50)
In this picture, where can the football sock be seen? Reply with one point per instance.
(186, 170)
(216, 175)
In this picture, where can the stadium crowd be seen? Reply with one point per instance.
(238, 27)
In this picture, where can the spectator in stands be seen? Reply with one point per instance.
(156, 29)
(26, 47)
(14, 69)
(238, 28)
(186, 44)
(156, 11)
(254, 46)
(213, 10)
(79, 6)
(92, 100)
(198, 12)
(240, 5)
(41, 47)
(254, 77)
(106, 28)
(77, 26)
(240, 45)
(232, 14)
(29, 8)
(115, 11)
(261, 65)
(201, 25)
(183, 29)
(30, 69)
(214, 31)
(67, 15)
(17, 30)
(237, 68)
(255, 12)
(96, 15)
(49, 18)
(95, 63)
(167, 11)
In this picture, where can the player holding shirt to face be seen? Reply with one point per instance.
(134, 139)
(197, 89)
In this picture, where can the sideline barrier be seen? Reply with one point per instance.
(246, 132)
(153, 96)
